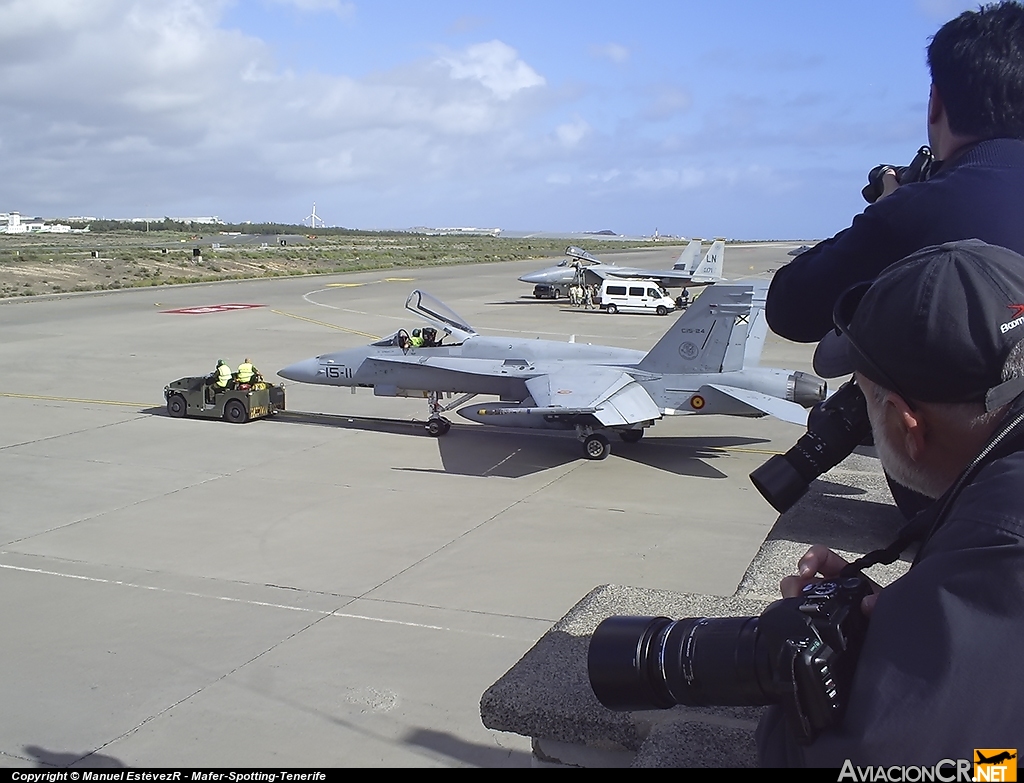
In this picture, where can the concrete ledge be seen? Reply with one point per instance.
(547, 694)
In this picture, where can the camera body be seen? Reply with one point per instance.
(921, 168)
(800, 652)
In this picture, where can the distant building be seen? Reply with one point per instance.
(468, 231)
(211, 220)
(11, 223)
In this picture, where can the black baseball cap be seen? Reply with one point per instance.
(935, 327)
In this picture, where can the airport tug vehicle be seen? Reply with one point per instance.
(238, 403)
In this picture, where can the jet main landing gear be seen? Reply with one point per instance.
(595, 444)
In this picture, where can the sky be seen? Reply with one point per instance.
(739, 118)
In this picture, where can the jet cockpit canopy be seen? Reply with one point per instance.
(442, 316)
(581, 255)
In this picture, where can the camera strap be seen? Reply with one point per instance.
(1007, 439)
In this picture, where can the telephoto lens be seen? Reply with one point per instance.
(835, 428)
(921, 168)
(800, 653)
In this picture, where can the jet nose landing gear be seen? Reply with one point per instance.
(438, 427)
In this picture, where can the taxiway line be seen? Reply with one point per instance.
(330, 326)
(76, 399)
(248, 602)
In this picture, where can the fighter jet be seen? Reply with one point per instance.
(689, 269)
(706, 363)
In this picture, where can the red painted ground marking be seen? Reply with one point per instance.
(221, 308)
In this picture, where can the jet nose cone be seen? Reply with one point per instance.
(304, 372)
(533, 277)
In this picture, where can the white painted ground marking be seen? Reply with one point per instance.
(190, 594)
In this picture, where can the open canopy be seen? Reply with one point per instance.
(446, 319)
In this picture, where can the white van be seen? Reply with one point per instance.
(635, 296)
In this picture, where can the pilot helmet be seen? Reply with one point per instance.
(220, 362)
(415, 332)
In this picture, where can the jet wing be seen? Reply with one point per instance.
(765, 403)
(611, 396)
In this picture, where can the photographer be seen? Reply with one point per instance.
(937, 346)
(975, 126)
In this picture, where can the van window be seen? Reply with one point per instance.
(636, 291)
(654, 294)
(616, 290)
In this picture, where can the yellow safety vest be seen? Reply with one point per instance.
(245, 372)
(416, 342)
(223, 377)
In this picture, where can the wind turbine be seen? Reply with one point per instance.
(313, 218)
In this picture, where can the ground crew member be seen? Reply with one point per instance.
(218, 380)
(222, 375)
(246, 372)
(574, 295)
(416, 341)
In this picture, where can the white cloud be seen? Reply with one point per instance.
(496, 66)
(571, 133)
(336, 7)
(616, 53)
(151, 96)
(665, 102)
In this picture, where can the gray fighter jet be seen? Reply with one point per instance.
(689, 269)
(706, 363)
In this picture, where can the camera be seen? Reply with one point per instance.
(835, 427)
(921, 168)
(800, 653)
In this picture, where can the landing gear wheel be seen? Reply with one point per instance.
(612, 309)
(661, 310)
(597, 446)
(235, 412)
(631, 436)
(176, 406)
(558, 293)
(438, 427)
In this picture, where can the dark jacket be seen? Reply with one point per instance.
(940, 673)
(980, 195)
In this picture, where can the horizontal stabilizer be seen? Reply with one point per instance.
(760, 404)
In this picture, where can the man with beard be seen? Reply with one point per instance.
(936, 344)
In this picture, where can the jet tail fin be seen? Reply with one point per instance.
(710, 268)
(700, 338)
(689, 258)
(748, 337)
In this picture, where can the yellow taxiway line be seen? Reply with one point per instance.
(329, 326)
(76, 399)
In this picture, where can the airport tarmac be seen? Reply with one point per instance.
(320, 590)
